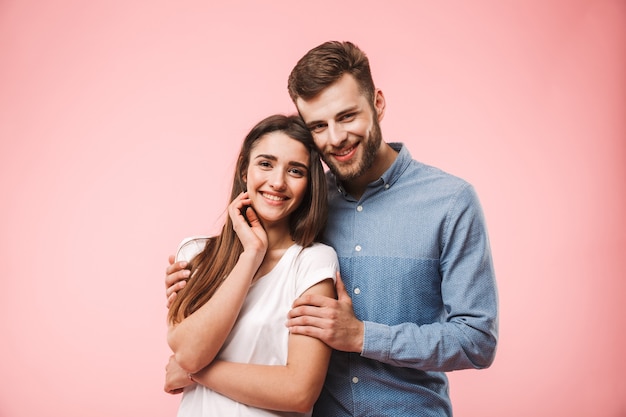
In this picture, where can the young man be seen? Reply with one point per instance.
(417, 295)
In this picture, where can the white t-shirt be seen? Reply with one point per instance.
(259, 335)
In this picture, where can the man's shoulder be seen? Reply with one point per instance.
(424, 173)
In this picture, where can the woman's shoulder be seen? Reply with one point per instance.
(318, 254)
(190, 247)
(318, 248)
(314, 264)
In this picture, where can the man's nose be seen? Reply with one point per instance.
(336, 134)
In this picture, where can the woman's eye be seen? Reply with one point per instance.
(297, 172)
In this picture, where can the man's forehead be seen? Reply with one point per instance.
(335, 99)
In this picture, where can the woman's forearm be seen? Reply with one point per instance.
(294, 386)
(196, 340)
(291, 387)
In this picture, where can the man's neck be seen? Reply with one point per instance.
(384, 159)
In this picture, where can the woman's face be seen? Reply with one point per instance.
(277, 177)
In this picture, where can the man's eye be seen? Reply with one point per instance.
(317, 128)
(348, 117)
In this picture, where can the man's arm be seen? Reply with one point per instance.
(328, 319)
(466, 338)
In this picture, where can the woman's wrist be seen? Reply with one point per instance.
(255, 257)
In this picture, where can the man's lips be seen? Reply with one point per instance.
(345, 154)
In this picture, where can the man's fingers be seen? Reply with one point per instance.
(315, 300)
(176, 277)
(306, 331)
(309, 316)
(305, 324)
(175, 267)
(178, 285)
(170, 300)
(340, 287)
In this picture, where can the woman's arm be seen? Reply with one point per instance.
(196, 340)
(292, 387)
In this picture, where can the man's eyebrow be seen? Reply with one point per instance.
(352, 109)
(310, 125)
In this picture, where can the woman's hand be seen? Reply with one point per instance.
(251, 233)
(176, 379)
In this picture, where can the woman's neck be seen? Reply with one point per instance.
(278, 238)
(278, 243)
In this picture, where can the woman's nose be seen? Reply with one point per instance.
(277, 181)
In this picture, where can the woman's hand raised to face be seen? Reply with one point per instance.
(250, 232)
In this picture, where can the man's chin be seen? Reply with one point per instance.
(343, 174)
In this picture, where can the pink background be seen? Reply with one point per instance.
(119, 123)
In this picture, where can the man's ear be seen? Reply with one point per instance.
(379, 104)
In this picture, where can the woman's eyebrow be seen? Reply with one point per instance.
(266, 156)
(274, 158)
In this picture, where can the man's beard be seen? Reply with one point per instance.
(370, 145)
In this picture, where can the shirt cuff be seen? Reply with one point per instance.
(376, 341)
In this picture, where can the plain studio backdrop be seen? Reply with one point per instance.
(120, 122)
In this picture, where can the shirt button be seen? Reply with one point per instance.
(387, 186)
(357, 291)
(357, 248)
(355, 379)
(359, 208)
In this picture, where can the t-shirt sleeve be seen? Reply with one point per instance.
(190, 247)
(315, 264)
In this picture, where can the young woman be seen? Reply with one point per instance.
(233, 355)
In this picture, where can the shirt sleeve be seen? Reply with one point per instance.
(315, 264)
(467, 336)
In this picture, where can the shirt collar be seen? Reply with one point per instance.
(392, 174)
(396, 169)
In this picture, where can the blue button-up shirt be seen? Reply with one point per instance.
(415, 259)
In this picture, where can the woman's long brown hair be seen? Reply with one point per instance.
(306, 223)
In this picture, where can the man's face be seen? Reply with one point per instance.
(345, 127)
